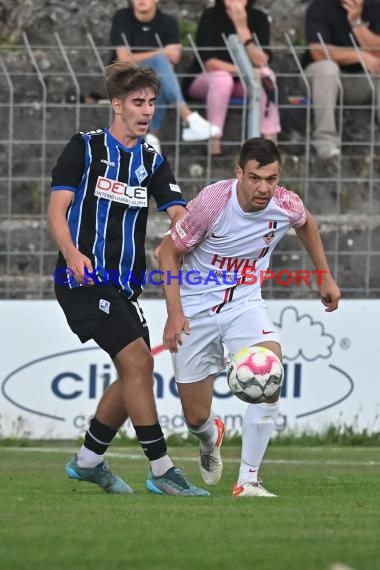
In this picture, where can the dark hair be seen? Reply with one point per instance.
(123, 78)
(220, 3)
(264, 151)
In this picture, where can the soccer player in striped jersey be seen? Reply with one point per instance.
(226, 238)
(97, 215)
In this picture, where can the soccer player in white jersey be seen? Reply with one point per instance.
(225, 238)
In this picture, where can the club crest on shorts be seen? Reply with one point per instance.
(104, 306)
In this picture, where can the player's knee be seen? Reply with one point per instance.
(144, 366)
(196, 418)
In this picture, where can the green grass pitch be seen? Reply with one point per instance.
(327, 511)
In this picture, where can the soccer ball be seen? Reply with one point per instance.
(255, 375)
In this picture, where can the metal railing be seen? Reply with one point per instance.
(42, 103)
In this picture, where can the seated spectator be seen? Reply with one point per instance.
(335, 21)
(221, 82)
(155, 35)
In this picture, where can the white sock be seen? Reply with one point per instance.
(161, 465)
(207, 433)
(87, 458)
(258, 424)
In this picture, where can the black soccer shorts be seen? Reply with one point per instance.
(103, 313)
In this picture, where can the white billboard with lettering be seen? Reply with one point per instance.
(50, 383)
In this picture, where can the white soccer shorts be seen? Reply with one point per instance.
(212, 336)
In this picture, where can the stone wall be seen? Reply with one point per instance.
(74, 18)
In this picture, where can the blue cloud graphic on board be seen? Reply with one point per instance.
(316, 343)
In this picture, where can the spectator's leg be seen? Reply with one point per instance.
(216, 88)
(198, 128)
(270, 116)
(170, 91)
(357, 91)
(324, 77)
(169, 82)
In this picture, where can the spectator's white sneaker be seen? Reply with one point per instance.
(153, 141)
(327, 152)
(334, 152)
(251, 489)
(210, 463)
(199, 129)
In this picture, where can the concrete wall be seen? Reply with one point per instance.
(73, 18)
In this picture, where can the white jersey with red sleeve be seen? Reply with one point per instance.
(226, 250)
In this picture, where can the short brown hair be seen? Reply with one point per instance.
(123, 78)
(264, 151)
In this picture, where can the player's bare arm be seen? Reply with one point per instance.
(174, 213)
(169, 260)
(312, 242)
(60, 200)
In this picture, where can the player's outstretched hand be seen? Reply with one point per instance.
(176, 325)
(330, 294)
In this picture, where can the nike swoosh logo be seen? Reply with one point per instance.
(217, 237)
(252, 470)
(267, 332)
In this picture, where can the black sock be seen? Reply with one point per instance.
(98, 437)
(152, 441)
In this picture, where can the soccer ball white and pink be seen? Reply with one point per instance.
(255, 375)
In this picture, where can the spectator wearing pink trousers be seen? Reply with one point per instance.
(221, 82)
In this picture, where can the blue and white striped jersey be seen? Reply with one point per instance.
(111, 186)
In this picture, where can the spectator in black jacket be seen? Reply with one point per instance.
(334, 21)
(146, 35)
